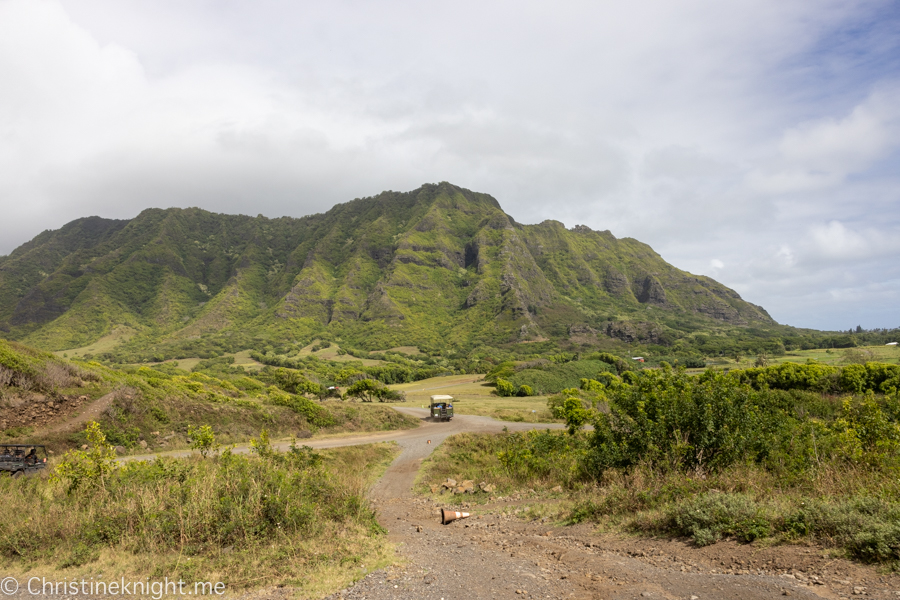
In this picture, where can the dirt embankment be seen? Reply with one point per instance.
(39, 410)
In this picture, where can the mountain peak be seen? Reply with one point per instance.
(439, 266)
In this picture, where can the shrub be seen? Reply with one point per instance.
(676, 421)
(87, 468)
(555, 377)
(543, 456)
(575, 414)
(315, 414)
(202, 439)
(866, 432)
(505, 388)
(294, 382)
(709, 517)
(868, 527)
(504, 370)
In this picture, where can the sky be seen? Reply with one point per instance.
(753, 141)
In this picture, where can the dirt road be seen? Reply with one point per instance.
(413, 441)
(499, 556)
(494, 555)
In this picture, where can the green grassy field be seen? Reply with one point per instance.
(410, 350)
(473, 397)
(118, 336)
(331, 353)
(827, 356)
(241, 359)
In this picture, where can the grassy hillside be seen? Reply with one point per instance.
(149, 409)
(299, 517)
(441, 268)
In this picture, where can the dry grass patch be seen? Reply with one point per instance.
(472, 396)
(298, 518)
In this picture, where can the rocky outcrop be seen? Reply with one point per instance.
(615, 282)
(722, 312)
(651, 292)
(380, 306)
(627, 331)
(479, 294)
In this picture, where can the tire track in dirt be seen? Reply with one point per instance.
(91, 412)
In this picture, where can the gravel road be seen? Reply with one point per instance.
(493, 554)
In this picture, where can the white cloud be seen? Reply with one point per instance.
(821, 154)
(835, 241)
(733, 130)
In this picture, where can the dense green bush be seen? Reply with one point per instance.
(556, 377)
(543, 456)
(868, 527)
(315, 414)
(853, 379)
(294, 382)
(618, 362)
(505, 388)
(674, 421)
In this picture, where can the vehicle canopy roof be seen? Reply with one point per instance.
(21, 445)
(441, 398)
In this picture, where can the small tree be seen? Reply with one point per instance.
(366, 390)
(88, 467)
(576, 414)
(262, 447)
(203, 439)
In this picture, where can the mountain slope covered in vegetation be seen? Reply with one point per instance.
(441, 267)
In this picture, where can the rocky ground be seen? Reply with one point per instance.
(39, 410)
(497, 556)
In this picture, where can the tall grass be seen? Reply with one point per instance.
(270, 518)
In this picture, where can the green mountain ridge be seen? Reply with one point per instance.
(438, 267)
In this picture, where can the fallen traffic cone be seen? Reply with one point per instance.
(451, 515)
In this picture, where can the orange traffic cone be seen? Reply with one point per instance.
(451, 515)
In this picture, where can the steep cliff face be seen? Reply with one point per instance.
(440, 265)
